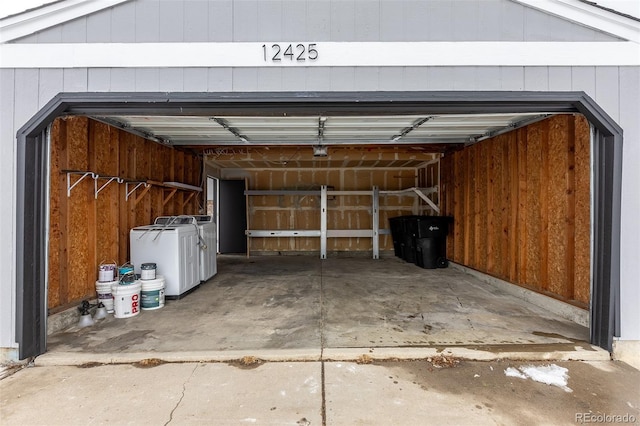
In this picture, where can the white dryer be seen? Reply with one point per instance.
(208, 240)
(174, 248)
(208, 261)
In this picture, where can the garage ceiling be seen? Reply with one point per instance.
(323, 130)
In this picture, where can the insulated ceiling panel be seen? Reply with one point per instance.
(207, 131)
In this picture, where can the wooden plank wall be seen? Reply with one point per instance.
(344, 212)
(521, 209)
(85, 231)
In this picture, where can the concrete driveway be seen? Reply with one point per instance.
(443, 391)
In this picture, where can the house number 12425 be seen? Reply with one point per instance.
(291, 52)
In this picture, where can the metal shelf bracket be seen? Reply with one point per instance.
(137, 185)
(70, 186)
(109, 180)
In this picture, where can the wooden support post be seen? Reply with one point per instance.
(376, 222)
(248, 214)
(323, 222)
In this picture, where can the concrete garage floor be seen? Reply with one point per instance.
(302, 308)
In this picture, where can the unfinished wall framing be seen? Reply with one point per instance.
(521, 207)
(346, 169)
(86, 229)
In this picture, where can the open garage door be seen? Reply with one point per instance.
(319, 122)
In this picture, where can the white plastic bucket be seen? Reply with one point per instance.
(105, 294)
(153, 293)
(148, 271)
(126, 300)
(107, 272)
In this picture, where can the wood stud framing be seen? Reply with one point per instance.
(324, 233)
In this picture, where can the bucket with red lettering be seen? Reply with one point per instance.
(126, 300)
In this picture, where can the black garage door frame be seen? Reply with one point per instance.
(32, 169)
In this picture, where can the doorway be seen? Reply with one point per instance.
(232, 216)
(213, 190)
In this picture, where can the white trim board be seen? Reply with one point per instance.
(590, 16)
(330, 54)
(47, 16)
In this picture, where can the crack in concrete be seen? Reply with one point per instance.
(184, 389)
(459, 302)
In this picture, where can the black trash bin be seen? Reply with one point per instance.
(431, 244)
(409, 238)
(408, 231)
(403, 232)
(428, 253)
(397, 232)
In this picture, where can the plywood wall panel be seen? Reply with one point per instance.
(86, 230)
(469, 206)
(533, 206)
(559, 195)
(57, 208)
(544, 203)
(529, 192)
(582, 210)
(513, 189)
(493, 197)
(77, 143)
(457, 191)
(505, 204)
(521, 260)
(126, 210)
(105, 155)
(80, 250)
(157, 169)
(482, 207)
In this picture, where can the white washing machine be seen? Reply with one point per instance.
(174, 248)
(208, 262)
(208, 240)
